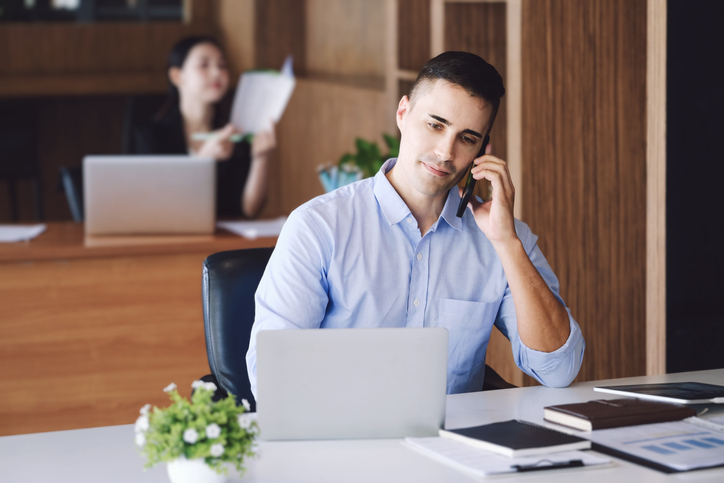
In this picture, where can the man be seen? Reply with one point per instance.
(389, 251)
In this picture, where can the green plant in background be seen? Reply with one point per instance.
(369, 158)
(363, 164)
(217, 432)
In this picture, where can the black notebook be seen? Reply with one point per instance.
(516, 438)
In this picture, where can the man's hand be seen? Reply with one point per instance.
(219, 146)
(494, 216)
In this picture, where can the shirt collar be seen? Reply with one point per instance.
(395, 209)
(392, 206)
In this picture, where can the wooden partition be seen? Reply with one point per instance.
(584, 167)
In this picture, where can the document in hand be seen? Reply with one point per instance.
(516, 438)
(601, 414)
(261, 98)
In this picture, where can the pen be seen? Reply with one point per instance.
(547, 465)
(205, 136)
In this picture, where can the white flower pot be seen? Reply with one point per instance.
(182, 470)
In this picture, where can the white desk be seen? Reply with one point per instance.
(108, 454)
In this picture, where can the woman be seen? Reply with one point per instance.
(198, 81)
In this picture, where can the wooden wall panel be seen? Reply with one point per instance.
(280, 31)
(346, 39)
(318, 127)
(584, 167)
(236, 30)
(413, 34)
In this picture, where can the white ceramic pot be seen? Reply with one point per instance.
(182, 470)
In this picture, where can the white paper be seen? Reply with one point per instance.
(679, 444)
(255, 228)
(261, 98)
(17, 233)
(484, 463)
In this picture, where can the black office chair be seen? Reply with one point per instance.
(230, 280)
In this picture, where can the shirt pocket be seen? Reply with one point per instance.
(469, 325)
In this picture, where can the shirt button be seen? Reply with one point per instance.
(419, 256)
(409, 221)
(416, 302)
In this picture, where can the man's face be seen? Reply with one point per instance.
(442, 132)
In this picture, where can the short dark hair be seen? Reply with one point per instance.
(468, 71)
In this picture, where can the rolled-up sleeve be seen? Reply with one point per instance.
(554, 369)
(292, 293)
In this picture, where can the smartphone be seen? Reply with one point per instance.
(470, 183)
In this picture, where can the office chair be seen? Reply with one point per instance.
(229, 282)
(71, 182)
(19, 154)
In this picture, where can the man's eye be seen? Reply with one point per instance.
(434, 125)
(469, 140)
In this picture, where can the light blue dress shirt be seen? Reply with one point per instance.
(355, 258)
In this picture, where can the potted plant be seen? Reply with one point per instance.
(355, 166)
(198, 439)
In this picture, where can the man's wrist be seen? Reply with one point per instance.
(509, 248)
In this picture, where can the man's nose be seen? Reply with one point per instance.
(445, 148)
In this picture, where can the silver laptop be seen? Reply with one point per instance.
(351, 383)
(145, 195)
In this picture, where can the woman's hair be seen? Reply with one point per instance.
(176, 58)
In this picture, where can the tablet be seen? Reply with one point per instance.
(674, 392)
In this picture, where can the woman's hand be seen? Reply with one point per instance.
(263, 144)
(219, 146)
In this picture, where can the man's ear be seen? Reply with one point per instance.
(174, 75)
(402, 109)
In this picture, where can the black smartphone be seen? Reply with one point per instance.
(470, 183)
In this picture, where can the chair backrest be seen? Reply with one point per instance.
(230, 280)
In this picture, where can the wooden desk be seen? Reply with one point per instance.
(92, 329)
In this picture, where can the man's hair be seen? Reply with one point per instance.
(466, 70)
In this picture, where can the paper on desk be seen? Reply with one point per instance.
(681, 445)
(254, 229)
(485, 463)
(17, 233)
(261, 98)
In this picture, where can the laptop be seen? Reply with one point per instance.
(149, 195)
(351, 383)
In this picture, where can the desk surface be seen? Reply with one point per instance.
(108, 454)
(67, 241)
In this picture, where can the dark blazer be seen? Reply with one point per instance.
(166, 136)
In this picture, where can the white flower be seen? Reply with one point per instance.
(191, 436)
(245, 420)
(170, 387)
(246, 404)
(216, 450)
(141, 424)
(197, 384)
(145, 409)
(210, 386)
(140, 439)
(213, 431)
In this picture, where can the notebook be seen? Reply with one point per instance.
(351, 383)
(149, 195)
(601, 414)
(673, 392)
(516, 438)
